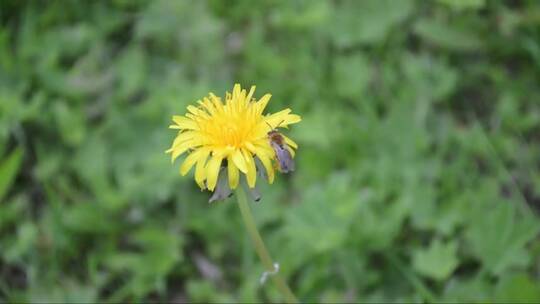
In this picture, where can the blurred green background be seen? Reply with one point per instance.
(417, 174)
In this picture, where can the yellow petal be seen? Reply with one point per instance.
(182, 143)
(239, 161)
(178, 151)
(212, 170)
(234, 176)
(277, 119)
(291, 150)
(280, 113)
(243, 95)
(207, 104)
(228, 99)
(184, 122)
(250, 147)
(200, 171)
(236, 90)
(217, 102)
(265, 155)
(251, 174)
(261, 104)
(291, 119)
(250, 94)
(266, 150)
(194, 110)
(267, 166)
(192, 158)
(183, 137)
(196, 113)
(265, 145)
(262, 129)
(290, 142)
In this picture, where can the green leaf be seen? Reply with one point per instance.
(474, 290)
(70, 122)
(320, 223)
(27, 234)
(131, 72)
(464, 4)
(498, 236)
(447, 35)
(157, 252)
(518, 288)
(353, 74)
(66, 291)
(367, 21)
(12, 212)
(8, 170)
(88, 218)
(429, 77)
(438, 261)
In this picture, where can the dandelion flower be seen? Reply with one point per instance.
(225, 138)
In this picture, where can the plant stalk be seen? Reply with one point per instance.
(260, 247)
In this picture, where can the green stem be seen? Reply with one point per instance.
(260, 247)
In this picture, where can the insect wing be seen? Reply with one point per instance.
(286, 163)
(291, 165)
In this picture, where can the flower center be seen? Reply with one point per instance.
(230, 132)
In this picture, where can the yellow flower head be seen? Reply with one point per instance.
(231, 136)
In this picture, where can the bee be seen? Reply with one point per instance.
(284, 157)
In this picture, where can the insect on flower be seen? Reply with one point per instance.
(283, 155)
(227, 142)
